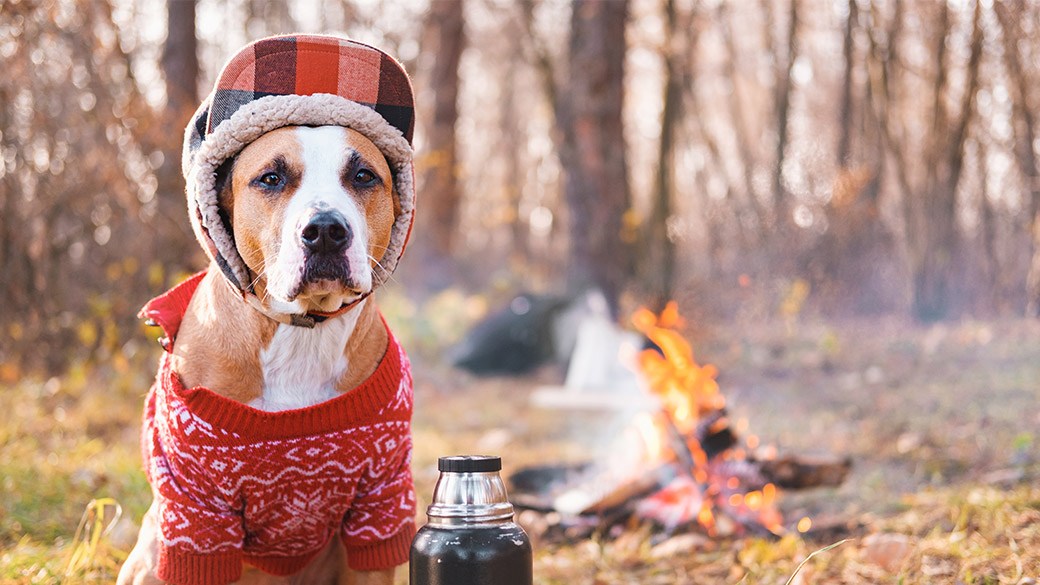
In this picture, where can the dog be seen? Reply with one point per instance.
(277, 434)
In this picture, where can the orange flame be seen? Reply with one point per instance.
(688, 391)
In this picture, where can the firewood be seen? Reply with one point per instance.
(795, 472)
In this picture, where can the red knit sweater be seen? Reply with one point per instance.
(239, 484)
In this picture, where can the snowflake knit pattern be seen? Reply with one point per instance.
(238, 484)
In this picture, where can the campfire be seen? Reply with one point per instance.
(680, 465)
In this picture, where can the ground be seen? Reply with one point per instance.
(940, 423)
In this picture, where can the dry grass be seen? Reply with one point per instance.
(940, 422)
(956, 535)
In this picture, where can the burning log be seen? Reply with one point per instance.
(567, 502)
(616, 497)
(714, 433)
(580, 488)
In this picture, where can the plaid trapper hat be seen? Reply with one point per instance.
(298, 80)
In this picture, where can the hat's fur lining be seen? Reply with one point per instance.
(268, 113)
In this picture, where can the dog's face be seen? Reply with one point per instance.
(312, 211)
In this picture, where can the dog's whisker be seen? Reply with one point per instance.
(260, 274)
(389, 274)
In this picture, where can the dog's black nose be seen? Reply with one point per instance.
(326, 232)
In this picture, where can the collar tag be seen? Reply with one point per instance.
(305, 321)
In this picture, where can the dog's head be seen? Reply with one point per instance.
(299, 171)
(312, 210)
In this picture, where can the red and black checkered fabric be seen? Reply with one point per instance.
(307, 65)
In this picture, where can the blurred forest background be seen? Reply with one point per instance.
(843, 156)
(842, 195)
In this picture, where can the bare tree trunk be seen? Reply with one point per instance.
(659, 263)
(180, 61)
(592, 150)
(992, 271)
(512, 148)
(881, 89)
(180, 66)
(845, 116)
(783, 114)
(444, 40)
(1024, 124)
(13, 260)
(933, 263)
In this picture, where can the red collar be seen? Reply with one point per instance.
(306, 320)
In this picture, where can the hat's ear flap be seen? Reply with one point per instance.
(397, 201)
(194, 134)
(225, 196)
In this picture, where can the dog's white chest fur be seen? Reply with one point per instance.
(301, 366)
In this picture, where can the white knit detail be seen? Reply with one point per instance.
(195, 546)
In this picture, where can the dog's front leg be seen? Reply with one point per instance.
(141, 564)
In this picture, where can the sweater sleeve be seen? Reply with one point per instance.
(200, 541)
(197, 546)
(378, 530)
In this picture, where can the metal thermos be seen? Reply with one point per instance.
(470, 538)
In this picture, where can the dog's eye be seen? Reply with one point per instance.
(364, 177)
(270, 180)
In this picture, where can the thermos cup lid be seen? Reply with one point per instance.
(469, 464)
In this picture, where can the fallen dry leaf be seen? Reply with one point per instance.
(887, 550)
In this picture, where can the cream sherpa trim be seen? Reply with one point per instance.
(258, 117)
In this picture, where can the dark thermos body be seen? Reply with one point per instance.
(471, 538)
